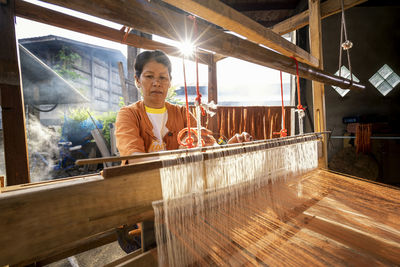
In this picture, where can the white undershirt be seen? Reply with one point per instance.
(158, 118)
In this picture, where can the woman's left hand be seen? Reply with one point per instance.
(240, 138)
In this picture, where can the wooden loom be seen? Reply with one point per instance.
(61, 218)
(334, 211)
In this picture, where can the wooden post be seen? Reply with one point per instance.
(109, 84)
(121, 72)
(213, 92)
(12, 102)
(92, 96)
(133, 91)
(318, 88)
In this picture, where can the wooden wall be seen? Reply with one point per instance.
(261, 122)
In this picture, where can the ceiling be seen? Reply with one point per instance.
(271, 12)
(268, 12)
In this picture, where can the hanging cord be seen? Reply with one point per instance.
(198, 98)
(189, 140)
(45, 110)
(283, 131)
(344, 45)
(300, 109)
(199, 109)
(299, 106)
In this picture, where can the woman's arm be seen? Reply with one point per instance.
(127, 133)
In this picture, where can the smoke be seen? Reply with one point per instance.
(42, 149)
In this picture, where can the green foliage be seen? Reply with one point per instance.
(79, 115)
(66, 59)
(121, 102)
(171, 96)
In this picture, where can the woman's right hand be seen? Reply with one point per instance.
(240, 138)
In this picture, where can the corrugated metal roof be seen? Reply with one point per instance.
(42, 85)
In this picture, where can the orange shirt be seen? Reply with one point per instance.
(134, 131)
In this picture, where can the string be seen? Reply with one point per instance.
(198, 98)
(299, 106)
(189, 141)
(272, 207)
(283, 131)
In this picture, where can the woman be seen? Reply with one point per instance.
(153, 124)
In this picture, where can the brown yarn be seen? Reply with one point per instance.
(363, 138)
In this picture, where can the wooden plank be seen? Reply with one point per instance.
(55, 215)
(357, 240)
(318, 88)
(152, 18)
(298, 21)
(148, 259)
(102, 145)
(34, 12)
(12, 102)
(78, 247)
(124, 259)
(228, 18)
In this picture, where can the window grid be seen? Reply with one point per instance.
(345, 73)
(385, 80)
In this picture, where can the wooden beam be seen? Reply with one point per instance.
(76, 248)
(228, 18)
(37, 13)
(55, 214)
(152, 18)
(212, 82)
(124, 259)
(298, 21)
(12, 102)
(256, 5)
(318, 88)
(148, 259)
(130, 62)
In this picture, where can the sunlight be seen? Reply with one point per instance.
(187, 48)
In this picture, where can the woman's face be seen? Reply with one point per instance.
(154, 83)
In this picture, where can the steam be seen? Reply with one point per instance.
(42, 149)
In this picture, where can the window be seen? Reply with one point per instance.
(345, 73)
(242, 83)
(385, 79)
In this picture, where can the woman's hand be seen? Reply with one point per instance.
(206, 136)
(240, 138)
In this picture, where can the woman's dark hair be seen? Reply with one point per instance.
(147, 56)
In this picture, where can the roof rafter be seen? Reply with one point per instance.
(298, 21)
(54, 18)
(153, 18)
(228, 18)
